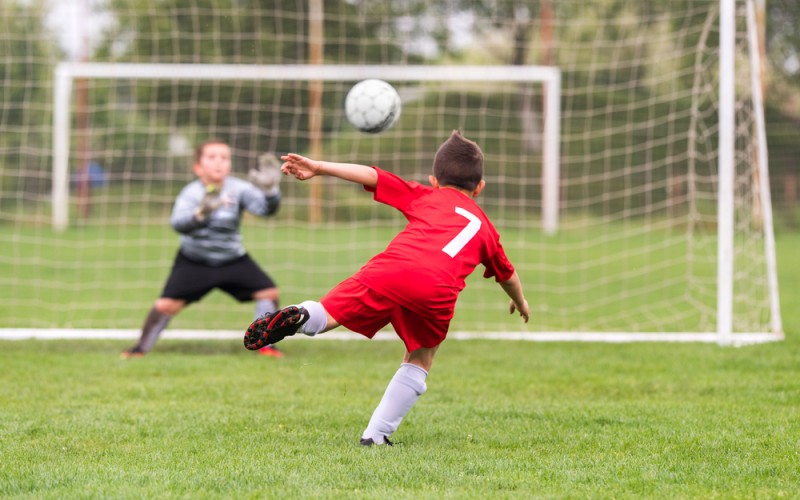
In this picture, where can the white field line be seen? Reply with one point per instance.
(737, 339)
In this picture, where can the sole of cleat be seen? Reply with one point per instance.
(254, 336)
(272, 328)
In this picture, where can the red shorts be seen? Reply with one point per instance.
(365, 311)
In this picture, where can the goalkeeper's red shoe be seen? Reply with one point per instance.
(270, 351)
(133, 352)
(271, 328)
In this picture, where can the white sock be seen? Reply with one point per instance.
(264, 306)
(318, 318)
(407, 385)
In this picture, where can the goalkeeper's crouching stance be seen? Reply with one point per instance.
(207, 214)
(412, 285)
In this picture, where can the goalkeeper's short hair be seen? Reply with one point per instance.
(198, 151)
(458, 162)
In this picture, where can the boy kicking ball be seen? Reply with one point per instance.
(413, 284)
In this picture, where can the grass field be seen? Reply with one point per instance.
(601, 277)
(499, 420)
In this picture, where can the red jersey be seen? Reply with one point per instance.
(447, 236)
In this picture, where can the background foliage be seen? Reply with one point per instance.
(367, 32)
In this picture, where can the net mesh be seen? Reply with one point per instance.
(636, 247)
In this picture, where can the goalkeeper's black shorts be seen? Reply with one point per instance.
(190, 280)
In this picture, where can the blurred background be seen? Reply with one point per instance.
(638, 148)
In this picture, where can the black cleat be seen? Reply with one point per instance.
(274, 327)
(370, 442)
(253, 336)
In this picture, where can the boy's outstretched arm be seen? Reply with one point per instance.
(305, 168)
(513, 288)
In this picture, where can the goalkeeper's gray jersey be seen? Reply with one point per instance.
(217, 239)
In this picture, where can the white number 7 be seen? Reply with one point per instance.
(466, 234)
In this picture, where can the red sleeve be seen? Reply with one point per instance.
(395, 191)
(499, 266)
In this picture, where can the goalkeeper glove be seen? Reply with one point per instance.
(267, 176)
(210, 202)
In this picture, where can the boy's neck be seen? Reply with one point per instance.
(460, 190)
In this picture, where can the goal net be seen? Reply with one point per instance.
(629, 183)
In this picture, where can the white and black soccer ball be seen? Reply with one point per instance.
(372, 106)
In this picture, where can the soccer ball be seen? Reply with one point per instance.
(372, 106)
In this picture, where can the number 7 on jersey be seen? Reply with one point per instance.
(466, 234)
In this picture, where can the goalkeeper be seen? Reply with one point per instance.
(207, 214)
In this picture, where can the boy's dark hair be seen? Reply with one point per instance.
(198, 151)
(458, 163)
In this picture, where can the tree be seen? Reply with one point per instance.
(26, 73)
(783, 37)
(240, 32)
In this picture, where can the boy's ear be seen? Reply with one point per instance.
(434, 181)
(196, 169)
(478, 188)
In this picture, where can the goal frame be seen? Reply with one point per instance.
(67, 72)
(550, 77)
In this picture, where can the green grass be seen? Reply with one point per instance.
(499, 420)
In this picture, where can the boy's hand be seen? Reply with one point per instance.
(210, 202)
(522, 308)
(267, 176)
(299, 166)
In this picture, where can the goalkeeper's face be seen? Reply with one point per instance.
(214, 164)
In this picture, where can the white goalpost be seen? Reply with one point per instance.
(66, 73)
(629, 183)
(727, 171)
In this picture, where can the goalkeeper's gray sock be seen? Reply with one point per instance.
(407, 385)
(153, 326)
(318, 318)
(264, 306)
